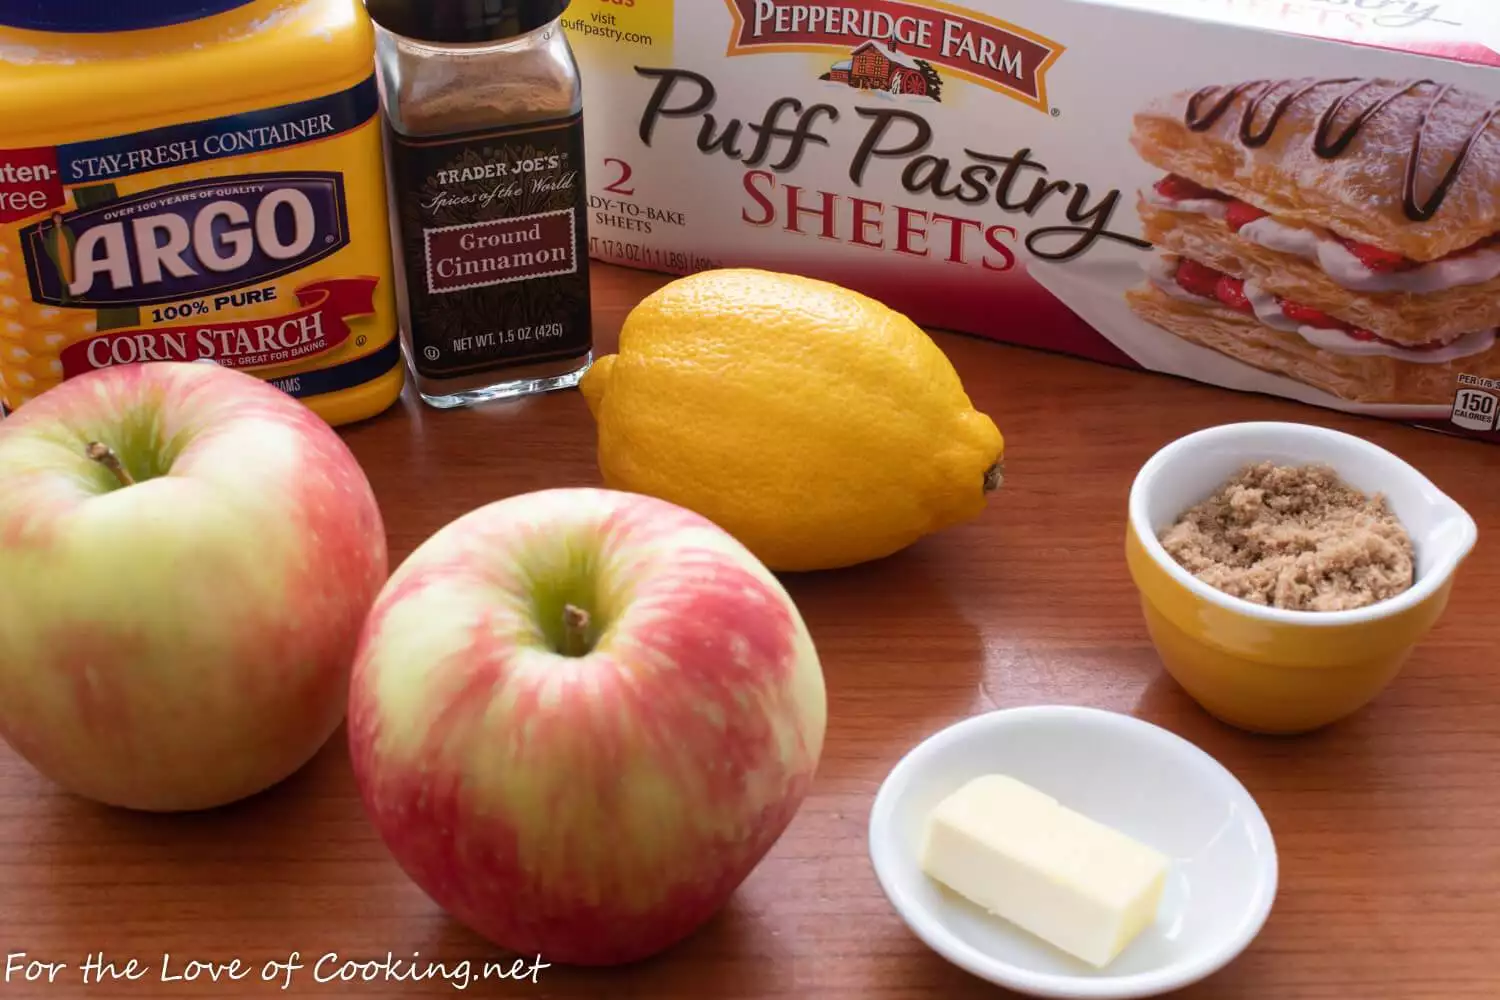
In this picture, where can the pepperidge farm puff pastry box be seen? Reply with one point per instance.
(1293, 197)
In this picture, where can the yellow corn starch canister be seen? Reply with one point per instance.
(195, 180)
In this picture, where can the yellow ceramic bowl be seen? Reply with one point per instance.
(1265, 669)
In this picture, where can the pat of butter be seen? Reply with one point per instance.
(1018, 853)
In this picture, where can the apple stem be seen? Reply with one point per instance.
(105, 456)
(575, 631)
(994, 477)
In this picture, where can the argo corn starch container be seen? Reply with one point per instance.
(195, 180)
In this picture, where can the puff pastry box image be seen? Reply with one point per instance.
(1344, 233)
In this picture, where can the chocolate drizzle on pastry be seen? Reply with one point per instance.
(1329, 141)
(1325, 144)
(1254, 139)
(1423, 212)
(1199, 120)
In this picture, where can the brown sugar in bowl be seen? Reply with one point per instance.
(1269, 669)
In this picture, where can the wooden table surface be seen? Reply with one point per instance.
(1388, 824)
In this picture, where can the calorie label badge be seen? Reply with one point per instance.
(1475, 410)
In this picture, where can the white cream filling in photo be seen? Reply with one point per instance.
(1162, 271)
(1336, 260)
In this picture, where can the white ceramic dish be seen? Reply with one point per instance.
(1129, 774)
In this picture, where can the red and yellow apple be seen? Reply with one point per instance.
(580, 718)
(187, 555)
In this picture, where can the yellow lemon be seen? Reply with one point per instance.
(819, 427)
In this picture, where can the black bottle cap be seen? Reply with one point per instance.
(459, 22)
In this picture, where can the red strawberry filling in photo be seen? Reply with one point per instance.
(1239, 214)
(1229, 291)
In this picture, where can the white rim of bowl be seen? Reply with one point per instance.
(1100, 987)
(1424, 587)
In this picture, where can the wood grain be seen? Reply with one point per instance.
(1388, 825)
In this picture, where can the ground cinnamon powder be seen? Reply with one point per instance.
(1295, 537)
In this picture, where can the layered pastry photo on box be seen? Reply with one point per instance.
(1343, 233)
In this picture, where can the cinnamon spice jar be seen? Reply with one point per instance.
(484, 138)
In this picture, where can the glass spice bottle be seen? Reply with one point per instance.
(484, 137)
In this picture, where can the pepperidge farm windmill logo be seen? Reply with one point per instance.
(901, 47)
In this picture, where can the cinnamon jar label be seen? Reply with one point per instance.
(495, 243)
